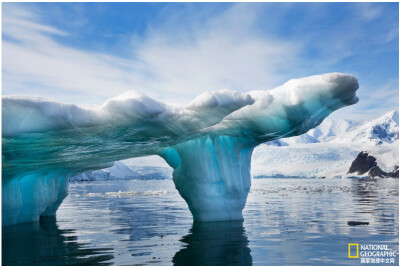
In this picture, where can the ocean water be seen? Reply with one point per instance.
(287, 222)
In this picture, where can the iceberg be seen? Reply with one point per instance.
(208, 142)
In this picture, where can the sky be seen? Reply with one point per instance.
(86, 53)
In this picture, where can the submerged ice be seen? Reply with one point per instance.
(208, 143)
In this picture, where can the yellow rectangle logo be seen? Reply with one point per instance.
(353, 256)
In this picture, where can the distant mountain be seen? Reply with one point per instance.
(278, 142)
(151, 167)
(145, 168)
(383, 130)
(98, 175)
(329, 129)
(329, 149)
(302, 139)
(377, 132)
(120, 171)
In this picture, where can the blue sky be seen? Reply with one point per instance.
(85, 53)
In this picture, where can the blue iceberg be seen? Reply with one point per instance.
(208, 142)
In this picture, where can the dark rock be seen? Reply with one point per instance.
(354, 223)
(366, 163)
(363, 163)
(377, 172)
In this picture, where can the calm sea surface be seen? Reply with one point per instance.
(287, 222)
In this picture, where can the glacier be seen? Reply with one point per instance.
(208, 142)
(328, 150)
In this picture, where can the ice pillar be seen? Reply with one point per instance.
(212, 174)
(27, 197)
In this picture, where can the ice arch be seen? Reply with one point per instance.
(208, 142)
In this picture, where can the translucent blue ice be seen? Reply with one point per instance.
(208, 142)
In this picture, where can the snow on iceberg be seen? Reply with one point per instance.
(208, 143)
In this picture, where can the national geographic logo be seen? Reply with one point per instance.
(371, 253)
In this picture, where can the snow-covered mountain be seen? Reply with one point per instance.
(329, 149)
(326, 151)
(330, 129)
(119, 171)
(301, 139)
(377, 132)
(99, 175)
(152, 167)
(384, 129)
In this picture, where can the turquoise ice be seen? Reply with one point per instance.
(208, 142)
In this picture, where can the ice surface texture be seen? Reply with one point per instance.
(208, 142)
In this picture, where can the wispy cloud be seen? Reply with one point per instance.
(369, 11)
(224, 54)
(186, 52)
(35, 64)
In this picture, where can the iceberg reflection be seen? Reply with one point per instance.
(43, 243)
(215, 243)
